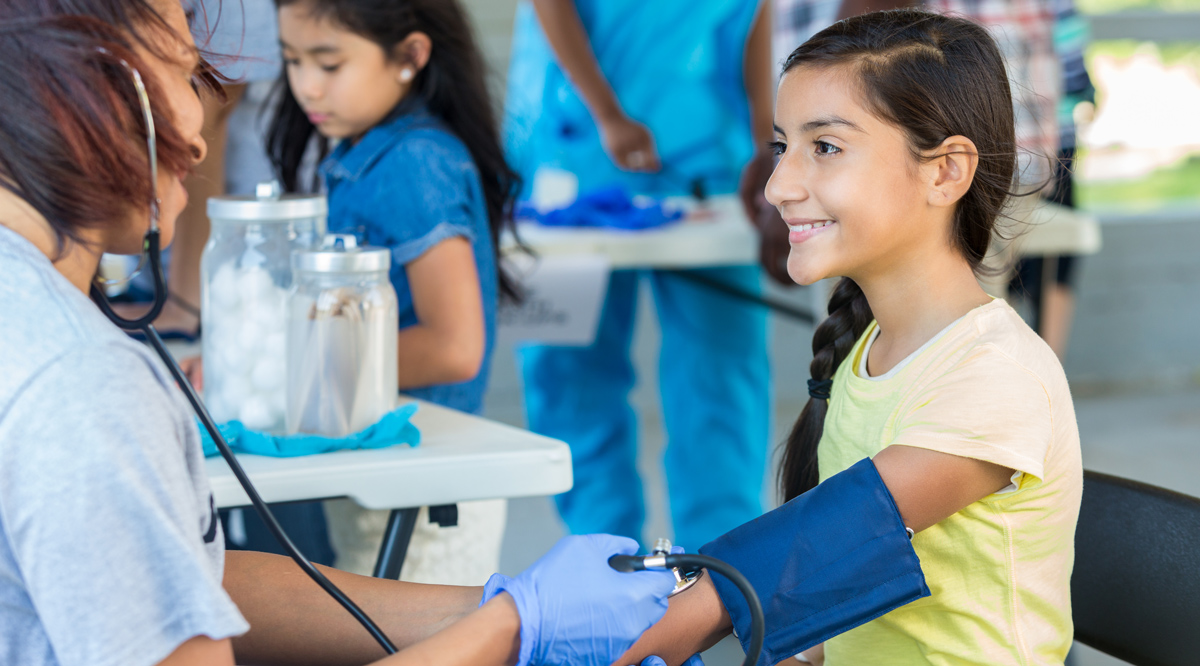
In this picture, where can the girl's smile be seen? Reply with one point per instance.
(800, 230)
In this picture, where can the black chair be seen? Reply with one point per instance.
(1136, 588)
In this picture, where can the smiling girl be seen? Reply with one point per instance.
(419, 170)
(895, 138)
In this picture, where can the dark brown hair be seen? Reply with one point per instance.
(932, 76)
(72, 134)
(452, 86)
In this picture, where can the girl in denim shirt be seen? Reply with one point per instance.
(418, 169)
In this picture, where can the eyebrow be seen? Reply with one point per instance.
(823, 122)
(316, 50)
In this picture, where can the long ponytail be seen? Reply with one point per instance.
(933, 76)
(849, 316)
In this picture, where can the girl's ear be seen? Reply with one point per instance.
(413, 51)
(950, 170)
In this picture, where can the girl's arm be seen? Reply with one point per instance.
(930, 486)
(694, 622)
(628, 143)
(446, 345)
(927, 487)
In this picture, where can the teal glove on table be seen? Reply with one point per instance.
(575, 609)
(394, 428)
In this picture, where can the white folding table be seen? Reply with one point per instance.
(461, 458)
(717, 233)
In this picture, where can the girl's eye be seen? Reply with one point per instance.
(291, 62)
(826, 148)
(776, 147)
(330, 68)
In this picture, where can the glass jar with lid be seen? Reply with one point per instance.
(245, 273)
(342, 324)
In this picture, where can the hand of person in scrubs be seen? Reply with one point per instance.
(629, 143)
(575, 609)
(773, 246)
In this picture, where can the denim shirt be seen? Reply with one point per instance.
(408, 184)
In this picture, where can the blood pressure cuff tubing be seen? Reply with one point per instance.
(829, 560)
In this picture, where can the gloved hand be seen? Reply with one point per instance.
(575, 609)
(494, 586)
(652, 660)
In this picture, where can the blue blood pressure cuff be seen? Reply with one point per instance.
(827, 561)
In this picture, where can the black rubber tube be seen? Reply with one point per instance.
(758, 627)
(734, 291)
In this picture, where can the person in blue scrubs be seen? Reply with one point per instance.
(663, 98)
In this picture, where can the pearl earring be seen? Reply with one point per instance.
(406, 75)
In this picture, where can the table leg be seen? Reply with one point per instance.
(395, 543)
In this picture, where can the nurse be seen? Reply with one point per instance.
(665, 98)
(110, 550)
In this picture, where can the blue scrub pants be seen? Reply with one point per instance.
(714, 380)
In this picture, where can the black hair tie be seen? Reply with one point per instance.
(819, 389)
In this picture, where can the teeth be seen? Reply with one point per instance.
(809, 227)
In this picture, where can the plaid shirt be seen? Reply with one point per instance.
(1024, 30)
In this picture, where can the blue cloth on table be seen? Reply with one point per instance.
(607, 208)
(394, 428)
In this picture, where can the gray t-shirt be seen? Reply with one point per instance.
(110, 552)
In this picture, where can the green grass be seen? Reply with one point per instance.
(1106, 6)
(1179, 184)
(1175, 185)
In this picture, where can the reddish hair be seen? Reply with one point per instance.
(72, 134)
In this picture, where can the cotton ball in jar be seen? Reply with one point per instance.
(250, 337)
(257, 287)
(268, 373)
(270, 312)
(256, 413)
(224, 291)
(232, 357)
(275, 343)
(236, 389)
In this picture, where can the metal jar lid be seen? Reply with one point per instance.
(340, 253)
(268, 204)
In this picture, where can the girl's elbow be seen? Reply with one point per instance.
(464, 364)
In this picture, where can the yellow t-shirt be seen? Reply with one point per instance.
(1000, 569)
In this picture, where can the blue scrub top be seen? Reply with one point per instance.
(675, 66)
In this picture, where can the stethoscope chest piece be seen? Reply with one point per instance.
(684, 578)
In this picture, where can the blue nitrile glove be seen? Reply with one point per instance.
(653, 660)
(575, 609)
(394, 428)
(494, 586)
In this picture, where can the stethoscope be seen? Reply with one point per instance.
(152, 258)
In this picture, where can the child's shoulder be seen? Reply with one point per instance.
(999, 343)
(429, 146)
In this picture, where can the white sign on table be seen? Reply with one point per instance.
(563, 298)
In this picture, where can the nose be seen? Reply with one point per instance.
(786, 184)
(306, 87)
